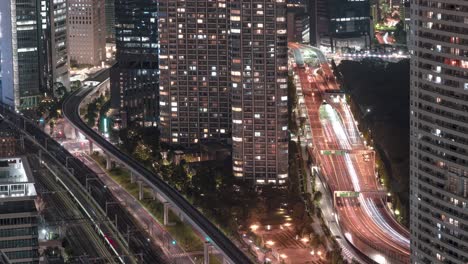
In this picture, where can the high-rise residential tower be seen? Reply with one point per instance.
(258, 71)
(194, 83)
(439, 132)
(20, 78)
(87, 31)
(224, 75)
(134, 78)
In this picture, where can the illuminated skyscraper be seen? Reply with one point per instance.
(194, 83)
(55, 63)
(87, 31)
(20, 78)
(258, 65)
(439, 132)
(134, 78)
(228, 58)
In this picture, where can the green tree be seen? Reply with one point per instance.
(180, 178)
(317, 197)
(91, 115)
(142, 152)
(400, 33)
(204, 180)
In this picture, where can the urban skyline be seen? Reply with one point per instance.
(248, 131)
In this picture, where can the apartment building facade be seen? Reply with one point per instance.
(223, 77)
(194, 67)
(439, 132)
(258, 72)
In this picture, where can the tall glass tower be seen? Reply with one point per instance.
(439, 131)
(134, 78)
(19, 45)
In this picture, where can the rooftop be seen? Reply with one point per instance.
(16, 178)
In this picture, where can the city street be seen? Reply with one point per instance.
(158, 235)
(346, 164)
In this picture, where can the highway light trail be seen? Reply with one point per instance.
(368, 204)
(337, 127)
(347, 166)
(372, 210)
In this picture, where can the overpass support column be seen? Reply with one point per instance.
(132, 177)
(154, 194)
(140, 191)
(108, 162)
(206, 253)
(90, 147)
(77, 133)
(166, 214)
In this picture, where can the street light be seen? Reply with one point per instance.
(254, 227)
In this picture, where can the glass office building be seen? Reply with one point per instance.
(19, 44)
(134, 78)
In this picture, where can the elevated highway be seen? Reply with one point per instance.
(168, 195)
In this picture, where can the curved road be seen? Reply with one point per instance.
(218, 239)
(369, 227)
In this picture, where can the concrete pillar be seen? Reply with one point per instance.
(90, 147)
(154, 194)
(181, 216)
(77, 133)
(206, 253)
(132, 177)
(108, 162)
(140, 190)
(166, 213)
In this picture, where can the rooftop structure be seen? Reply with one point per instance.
(16, 178)
(18, 213)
